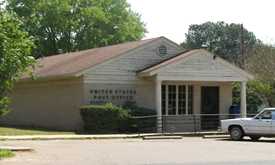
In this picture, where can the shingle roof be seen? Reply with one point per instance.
(69, 64)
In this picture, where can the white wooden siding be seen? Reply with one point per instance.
(123, 69)
(200, 67)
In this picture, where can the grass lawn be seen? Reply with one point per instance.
(8, 131)
(6, 154)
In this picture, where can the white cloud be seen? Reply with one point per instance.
(171, 18)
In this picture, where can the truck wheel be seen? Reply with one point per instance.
(236, 133)
(255, 138)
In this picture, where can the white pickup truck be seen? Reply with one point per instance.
(262, 125)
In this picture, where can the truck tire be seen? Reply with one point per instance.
(236, 133)
(255, 138)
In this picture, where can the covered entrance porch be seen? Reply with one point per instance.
(193, 91)
(186, 106)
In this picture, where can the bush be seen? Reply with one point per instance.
(6, 154)
(135, 110)
(104, 118)
(109, 118)
(142, 119)
(254, 102)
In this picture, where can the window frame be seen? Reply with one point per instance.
(259, 116)
(187, 100)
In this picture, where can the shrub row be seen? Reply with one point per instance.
(109, 118)
(103, 118)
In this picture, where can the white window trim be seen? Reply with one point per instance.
(177, 98)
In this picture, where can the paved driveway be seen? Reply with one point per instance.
(193, 151)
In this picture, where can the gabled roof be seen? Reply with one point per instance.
(156, 68)
(69, 64)
(164, 62)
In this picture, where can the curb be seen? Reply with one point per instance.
(161, 137)
(110, 136)
(50, 137)
(215, 136)
(16, 149)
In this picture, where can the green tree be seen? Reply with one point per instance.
(15, 50)
(261, 91)
(71, 25)
(262, 64)
(256, 92)
(220, 38)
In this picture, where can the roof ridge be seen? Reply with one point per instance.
(107, 46)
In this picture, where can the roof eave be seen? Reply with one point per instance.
(244, 73)
(49, 78)
(144, 74)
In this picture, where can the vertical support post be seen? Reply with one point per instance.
(158, 105)
(177, 100)
(243, 99)
(166, 100)
(186, 99)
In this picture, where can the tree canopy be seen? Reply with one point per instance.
(220, 38)
(15, 51)
(71, 25)
(262, 64)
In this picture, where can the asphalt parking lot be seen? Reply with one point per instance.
(187, 151)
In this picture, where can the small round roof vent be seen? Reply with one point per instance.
(162, 50)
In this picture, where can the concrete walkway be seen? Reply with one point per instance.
(105, 136)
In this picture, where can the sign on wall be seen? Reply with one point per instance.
(116, 96)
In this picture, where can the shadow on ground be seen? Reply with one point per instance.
(249, 140)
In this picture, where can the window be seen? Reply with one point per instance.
(181, 101)
(190, 99)
(171, 99)
(163, 99)
(177, 99)
(265, 115)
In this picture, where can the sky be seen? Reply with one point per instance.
(171, 18)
